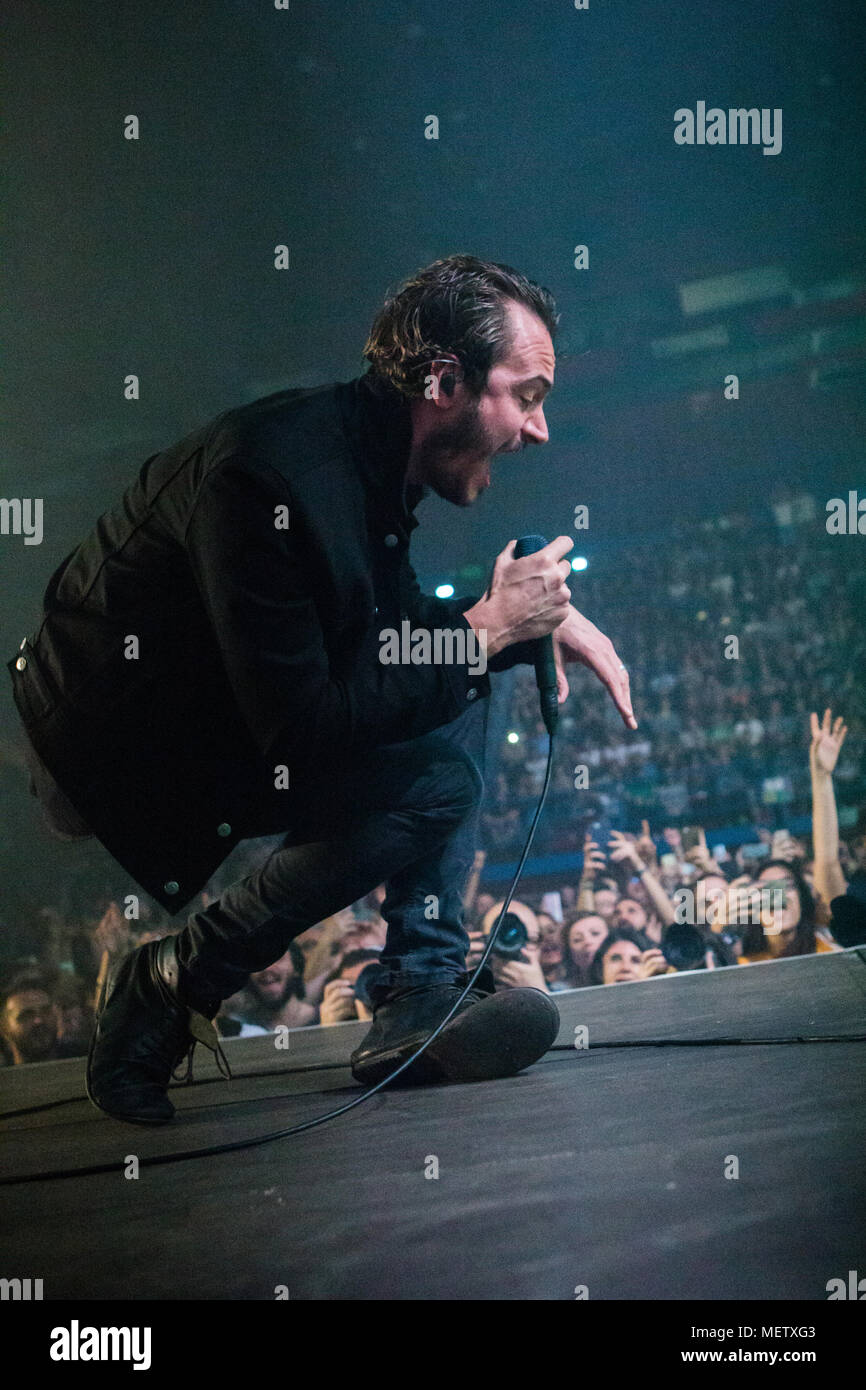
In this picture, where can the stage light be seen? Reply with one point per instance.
(579, 562)
(444, 591)
(513, 738)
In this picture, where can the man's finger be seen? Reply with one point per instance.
(615, 677)
(556, 549)
(619, 689)
(562, 690)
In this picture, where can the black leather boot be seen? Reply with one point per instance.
(491, 1035)
(143, 1031)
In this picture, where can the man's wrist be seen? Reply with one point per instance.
(479, 619)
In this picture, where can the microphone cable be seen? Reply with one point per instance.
(235, 1145)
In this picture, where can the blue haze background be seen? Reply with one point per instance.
(261, 127)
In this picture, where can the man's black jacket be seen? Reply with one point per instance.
(194, 644)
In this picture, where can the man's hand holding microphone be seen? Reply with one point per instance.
(528, 599)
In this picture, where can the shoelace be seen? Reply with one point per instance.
(204, 1032)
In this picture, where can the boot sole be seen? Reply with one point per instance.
(497, 1037)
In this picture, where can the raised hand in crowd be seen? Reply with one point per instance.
(645, 846)
(827, 739)
(594, 863)
(594, 860)
(700, 857)
(624, 849)
(520, 973)
(477, 943)
(338, 1002)
(112, 933)
(784, 846)
(652, 962)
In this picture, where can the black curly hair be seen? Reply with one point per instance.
(454, 306)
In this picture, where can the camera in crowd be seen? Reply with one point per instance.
(685, 947)
(511, 939)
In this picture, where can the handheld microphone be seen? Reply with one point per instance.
(545, 666)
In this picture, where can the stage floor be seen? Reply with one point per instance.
(602, 1168)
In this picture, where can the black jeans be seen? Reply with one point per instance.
(406, 815)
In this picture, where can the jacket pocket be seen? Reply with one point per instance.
(34, 696)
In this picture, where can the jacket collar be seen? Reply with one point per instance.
(379, 422)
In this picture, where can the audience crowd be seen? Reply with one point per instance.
(731, 639)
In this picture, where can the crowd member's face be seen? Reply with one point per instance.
(551, 941)
(274, 984)
(779, 924)
(621, 963)
(712, 889)
(638, 893)
(75, 1021)
(628, 913)
(483, 904)
(30, 1023)
(584, 939)
(455, 454)
(605, 900)
(363, 938)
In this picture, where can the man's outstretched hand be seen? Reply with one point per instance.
(577, 639)
(529, 598)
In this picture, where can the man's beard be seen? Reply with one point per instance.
(467, 435)
(271, 1005)
(38, 1045)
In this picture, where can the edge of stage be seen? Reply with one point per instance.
(604, 1171)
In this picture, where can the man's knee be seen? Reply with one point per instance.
(455, 782)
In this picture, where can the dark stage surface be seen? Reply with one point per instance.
(602, 1167)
